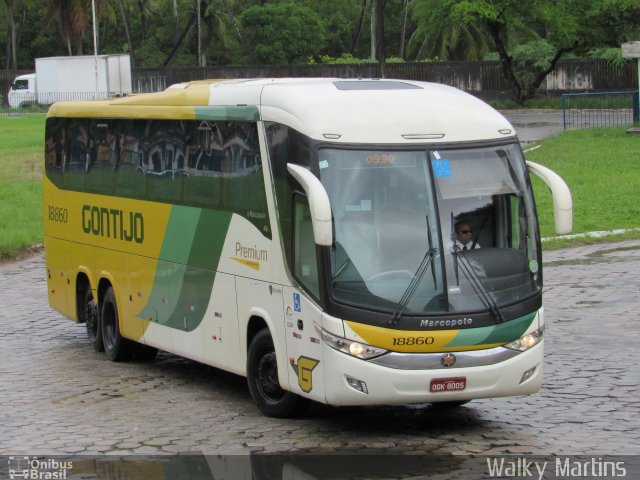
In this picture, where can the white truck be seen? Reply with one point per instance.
(72, 78)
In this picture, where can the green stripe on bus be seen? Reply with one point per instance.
(231, 113)
(181, 230)
(183, 283)
(502, 333)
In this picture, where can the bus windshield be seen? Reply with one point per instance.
(392, 209)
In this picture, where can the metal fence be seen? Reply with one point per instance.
(604, 109)
(28, 103)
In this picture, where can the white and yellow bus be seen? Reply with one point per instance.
(302, 233)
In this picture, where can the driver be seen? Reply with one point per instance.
(464, 237)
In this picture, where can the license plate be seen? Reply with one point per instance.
(448, 384)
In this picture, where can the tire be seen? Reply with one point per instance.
(91, 318)
(116, 347)
(262, 378)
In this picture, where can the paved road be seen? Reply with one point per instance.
(534, 125)
(60, 397)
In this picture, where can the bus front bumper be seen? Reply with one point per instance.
(352, 381)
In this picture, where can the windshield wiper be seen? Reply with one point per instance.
(415, 281)
(413, 285)
(477, 284)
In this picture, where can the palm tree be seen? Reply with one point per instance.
(12, 50)
(439, 36)
(72, 20)
(124, 8)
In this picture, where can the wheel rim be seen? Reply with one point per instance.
(109, 326)
(91, 319)
(267, 378)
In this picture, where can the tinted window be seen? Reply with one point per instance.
(205, 164)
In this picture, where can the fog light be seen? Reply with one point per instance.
(357, 384)
(528, 374)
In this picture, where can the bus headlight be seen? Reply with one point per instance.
(527, 341)
(351, 347)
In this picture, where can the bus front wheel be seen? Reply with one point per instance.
(262, 378)
(116, 347)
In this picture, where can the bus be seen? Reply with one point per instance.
(302, 233)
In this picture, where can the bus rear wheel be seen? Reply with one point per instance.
(262, 378)
(116, 347)
(92, 321)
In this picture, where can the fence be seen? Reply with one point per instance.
(484, 79)
(603, 109)
(476, 77)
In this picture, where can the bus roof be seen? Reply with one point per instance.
(340, 110)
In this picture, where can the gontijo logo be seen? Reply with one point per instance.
(37, 468)
(113, 223)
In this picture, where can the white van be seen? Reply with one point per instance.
(23, 91)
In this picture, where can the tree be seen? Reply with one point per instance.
(20, 8)
(281, 33)
(403, 31)
(12, 56)
(554, 28)
(378, 6)
(439, 36)
(71, 19)
(124, 9)
(358, 30)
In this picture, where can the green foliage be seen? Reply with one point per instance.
(531, 58)
(345, 58)
(282, 33)
(611, 55)
(537, 54)
(441, 36)
(529, 36)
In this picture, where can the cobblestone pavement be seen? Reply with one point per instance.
(58, 396)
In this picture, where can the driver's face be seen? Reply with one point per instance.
(464, 233)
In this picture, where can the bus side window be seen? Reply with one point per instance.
(203, 147)
(304, 246)
(130, 175)
(242, 180)
(55, 148)
(103, 154)
(517, 228)
(77, 156)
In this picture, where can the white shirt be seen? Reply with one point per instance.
(465, 246)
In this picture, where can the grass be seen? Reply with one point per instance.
(600, 166)
(589, 100)
(21, 151)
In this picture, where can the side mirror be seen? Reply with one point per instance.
(318, 204)
(562, 202)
